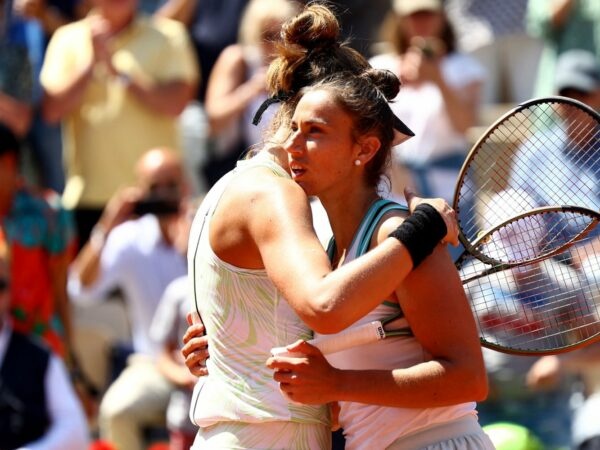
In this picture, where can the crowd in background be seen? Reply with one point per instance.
(117, 116)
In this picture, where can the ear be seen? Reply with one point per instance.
(368, 148)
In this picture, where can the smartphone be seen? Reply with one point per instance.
(157, 206)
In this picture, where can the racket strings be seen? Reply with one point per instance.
(494, 169)
(539, 306)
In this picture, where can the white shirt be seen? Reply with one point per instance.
(423, 109)
(138, 260)
(68, 428)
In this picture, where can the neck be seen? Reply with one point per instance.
(345, 217)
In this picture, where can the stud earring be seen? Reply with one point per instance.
(357, 162)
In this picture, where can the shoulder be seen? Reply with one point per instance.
(390, 220)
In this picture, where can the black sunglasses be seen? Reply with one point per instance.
(4, 284)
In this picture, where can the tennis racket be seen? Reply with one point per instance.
(534, 155)
(513, 246)
(533, 302)
(351, 337)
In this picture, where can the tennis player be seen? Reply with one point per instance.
(252, 245)
(399, 393)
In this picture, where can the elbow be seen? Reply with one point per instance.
(476, 382)
(324, 320)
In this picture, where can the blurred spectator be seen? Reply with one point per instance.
(439, 98)
(37, 20)
(494, 33)
(360, 21)
(562, 25)
(118, 81)
(38, 406)
(237, 87)
(550, 371)
(547, 413)
(16, 74)
(140, 256)
(168, 326)
(40, 235)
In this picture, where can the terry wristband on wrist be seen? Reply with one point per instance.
(421, 232)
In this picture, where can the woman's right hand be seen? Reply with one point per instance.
(195, 347)
(442, 207)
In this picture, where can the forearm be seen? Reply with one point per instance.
(169, 99)
(56, 105)
(348, 293)
(430, 384)
(15, 114)
(223, 110)
(87, 264)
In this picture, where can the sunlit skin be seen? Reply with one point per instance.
(322, 160)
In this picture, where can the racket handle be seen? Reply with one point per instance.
(363, 334)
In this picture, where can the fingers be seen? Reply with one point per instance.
(304, 347)
(412, 200)
(195, 330)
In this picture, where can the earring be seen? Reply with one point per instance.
(357, 162)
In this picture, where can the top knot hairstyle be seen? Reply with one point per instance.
(310, 50)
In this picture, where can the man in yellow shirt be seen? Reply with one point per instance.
(117, 81)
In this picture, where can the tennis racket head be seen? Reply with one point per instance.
(530, 157)
(534, 235)
(546, 306)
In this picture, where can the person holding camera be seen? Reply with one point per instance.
(134, 247)
(439, 99)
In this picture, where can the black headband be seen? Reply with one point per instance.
(280, 97)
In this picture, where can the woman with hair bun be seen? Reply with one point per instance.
(259, 275)
(410, 392)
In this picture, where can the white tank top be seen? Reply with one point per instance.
(245, 317)
(371, 426)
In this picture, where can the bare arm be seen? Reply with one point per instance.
(228, 93)
(454, 372)
(277, 219)
(58, 104)
(168, 98)
(86, 265)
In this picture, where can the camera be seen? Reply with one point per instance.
(159, 206)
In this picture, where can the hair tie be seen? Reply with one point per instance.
(280, 97)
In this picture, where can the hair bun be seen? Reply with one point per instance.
(314, 28)
(385, 80)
